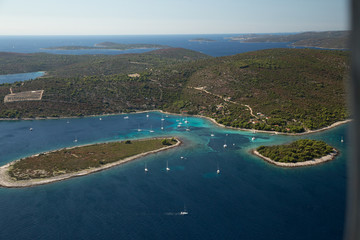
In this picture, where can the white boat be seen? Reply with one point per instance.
(181, 157)
(167, 166)
(184, 212)
(342, 139)
(225, 145)
(139, 129)
(188, 129)
(126, 117)
(212, 135)
(151, 130)
(75, 140)
(253, 139)
(30, 129)
(100, 119)
(147, 115)
(218, 169)
(146, 169)
(67, 122)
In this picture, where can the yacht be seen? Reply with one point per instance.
(167, 166)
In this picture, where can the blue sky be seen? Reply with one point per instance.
(120, 17)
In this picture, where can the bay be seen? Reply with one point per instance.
(18, 77)
(249, 199)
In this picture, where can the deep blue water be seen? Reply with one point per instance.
(221, 47)
(11, 78)
(249, 199)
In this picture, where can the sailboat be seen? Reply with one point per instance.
(184, 212)
(151, 130)
(139, 130)
(342, 139)
(225, 145)
(218, 169)
(186, 121)
(146, 169)
(167, 166)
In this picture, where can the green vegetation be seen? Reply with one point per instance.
(330, 39)
(288, 90)
(80, 158)
(298, 151)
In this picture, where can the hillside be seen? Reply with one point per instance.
(287, 90)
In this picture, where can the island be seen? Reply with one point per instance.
(78, 161)
(302, 152)
(110, 45)
(328, 39)
(201, 40)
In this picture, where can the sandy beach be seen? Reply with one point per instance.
(6, 181)
(316, 161)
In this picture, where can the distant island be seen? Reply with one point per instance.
(66, 163)
(111, 45)
(202, 40)
(329, 39)
(302, 152)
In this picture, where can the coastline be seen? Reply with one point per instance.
(179, 114)
(312, 162)
(7, 182)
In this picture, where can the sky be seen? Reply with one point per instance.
(143, 17)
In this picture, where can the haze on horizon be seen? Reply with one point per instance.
(142, 17)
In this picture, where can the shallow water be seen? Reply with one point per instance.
(19, 77)
(249, 199)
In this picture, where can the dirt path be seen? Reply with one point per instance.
(226, 100)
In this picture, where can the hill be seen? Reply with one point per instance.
(284, 90)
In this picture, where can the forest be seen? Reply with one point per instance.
(298, 151)
(284, 90)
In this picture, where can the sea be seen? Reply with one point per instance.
(248, 199)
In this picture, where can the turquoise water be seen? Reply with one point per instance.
(249, 199)
(18, 77)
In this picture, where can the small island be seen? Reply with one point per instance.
(302, 152)
(77, 161)
(201, 40)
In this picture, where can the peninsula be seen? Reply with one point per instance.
(302, 152)
(78, 161)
